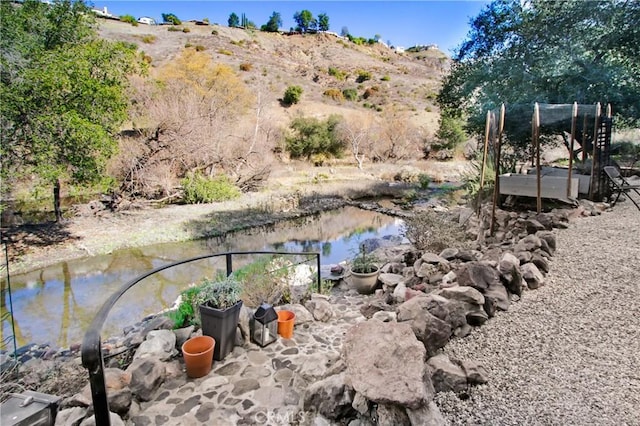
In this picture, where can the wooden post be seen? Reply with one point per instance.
(496, 190)
(594, 160)
(536, 113)
(574, 119)
(487, 129)
(609, 112)
(584, 139)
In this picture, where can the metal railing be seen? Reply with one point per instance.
(92, 358)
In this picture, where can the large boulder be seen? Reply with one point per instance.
(532, 275)
(463, 294)
(159, 344)
(432, 331)
(320, 308)
(330, 397)
(385, 363)
(427, 415)
(447, 376)
(478, 276)
(147, 374)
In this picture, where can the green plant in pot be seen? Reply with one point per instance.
(364, 271)
(215, 305)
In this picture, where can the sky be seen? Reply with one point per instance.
(403, 23)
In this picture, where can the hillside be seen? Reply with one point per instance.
(408, 80)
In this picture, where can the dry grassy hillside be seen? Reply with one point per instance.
(274, 61)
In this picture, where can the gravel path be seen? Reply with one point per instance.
(569, 353)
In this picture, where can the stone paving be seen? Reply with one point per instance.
(255, 385)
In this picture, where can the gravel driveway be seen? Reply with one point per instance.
(569, 352)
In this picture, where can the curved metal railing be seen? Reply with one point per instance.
(92, 358)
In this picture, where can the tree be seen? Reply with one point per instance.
(273, 24)
(312, 136)
(323, 22)
(549, 52)
(63, 93)
(304, 20)
(356, 134)
(171, 19)
(234, 20)
(292, 95)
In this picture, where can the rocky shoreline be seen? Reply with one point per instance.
(428, 298)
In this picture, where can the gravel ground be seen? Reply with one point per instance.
(569, 352)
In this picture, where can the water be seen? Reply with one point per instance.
(56, 304)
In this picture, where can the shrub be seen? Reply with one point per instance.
(338, 74)
(147, 58)
(265, 280)
(450, 132)
(334, 94)
(188, 45)
(186, 30)
(225, 52)
(214, 32)
(312, 136)
(350, 94)
(363, 76)
(173, 29)
(424, 180)
(370, 91)
(129, 20)
(200, 48)
(246, 66)
(386, 78)
(292, 95)
(201, 189)
(432, 231)
(149, 38)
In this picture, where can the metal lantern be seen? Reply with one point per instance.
(264, 325)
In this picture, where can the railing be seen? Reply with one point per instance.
(92, 345)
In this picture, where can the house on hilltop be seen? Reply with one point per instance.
(146, 20)
(104, 13)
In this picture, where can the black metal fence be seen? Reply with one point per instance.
(92, 358)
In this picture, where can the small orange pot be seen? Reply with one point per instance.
(286, 320)
(198, 355)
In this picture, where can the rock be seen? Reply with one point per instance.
(463, 294)
(319, 308)
(449, 253)
(445, 375)
(550, 239)
(147, 374)
(385, 316)
(119, 400)
(433, 258)
(360, 403)
(330, 397)
(532, 275)
(540, 262)
(490, 306)
(510, 273)
(528, 243)
(182, 335)
(427, 415)
(478, 276)
(466, 255)
(448, 279)
(369, 309)
(244, 321)
(425, 269)
(392, 415)
(318, 365)
(390, 280)
(385, 363)
(114, 419)
(160, 344)
(476, 374)
(532, 226)
(477, 316)
(70, 416)
(524, 256)
(303, 315)
(400, 293)
(433, 332)
(498, 292)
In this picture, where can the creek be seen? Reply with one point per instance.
(55, 305)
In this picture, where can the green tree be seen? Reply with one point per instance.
(292, 95)
(450, 131)
(312, 136)
(549, 52)
(323, 22)
(130, 19)
(63, 93)
(234, 20)
(273, 24)
(171, 19)
(305, 20)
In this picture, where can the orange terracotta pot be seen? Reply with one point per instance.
(286, 320)
(198, 355)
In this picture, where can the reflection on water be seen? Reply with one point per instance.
(55, 304)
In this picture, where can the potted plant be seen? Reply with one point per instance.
(214, 305)
(219, 306)
(364, 271)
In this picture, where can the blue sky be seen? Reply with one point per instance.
(404, 23)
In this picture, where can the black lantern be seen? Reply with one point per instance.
(264, 325)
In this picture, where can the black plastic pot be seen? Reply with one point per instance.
(221, 324)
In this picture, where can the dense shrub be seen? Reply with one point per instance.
(201, 189)
(186, 30)
(200, 48)
(386, 78)
(450, 132)
(337, 73)
(149, 38)
(334, 94)
(350, 94)
(313, 136)
(129, 20)
(173, 29)
(363, 76)
(225, 52)
(246, 66)
(292, 95)
(432, 231)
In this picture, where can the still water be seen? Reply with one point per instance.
(56, 304)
